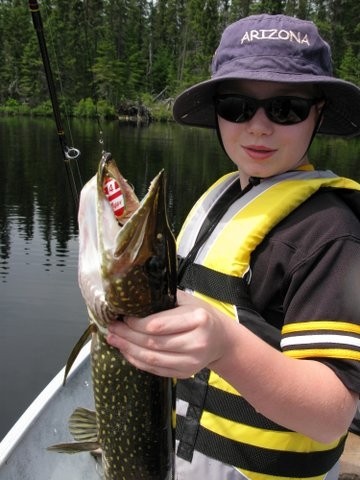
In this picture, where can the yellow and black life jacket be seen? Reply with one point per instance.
(214, 247)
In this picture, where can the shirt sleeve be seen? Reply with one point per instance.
(306, 282)
(322, 313)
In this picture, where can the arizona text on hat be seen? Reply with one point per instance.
(274, 48)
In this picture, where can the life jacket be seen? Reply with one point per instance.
(215, 244)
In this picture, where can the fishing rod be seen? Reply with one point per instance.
(70, 154)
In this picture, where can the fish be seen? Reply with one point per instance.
(127, 266)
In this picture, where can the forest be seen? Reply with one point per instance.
(106, 54)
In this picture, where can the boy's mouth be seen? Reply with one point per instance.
(258, 152)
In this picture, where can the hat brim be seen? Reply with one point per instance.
(195, 106)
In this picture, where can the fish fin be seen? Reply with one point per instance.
(82, 425)
(74, 447)
(75, 351)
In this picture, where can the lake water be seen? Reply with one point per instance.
(42, 313)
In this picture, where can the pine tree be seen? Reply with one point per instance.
(15, 31)
(349, 68)
(113, 50)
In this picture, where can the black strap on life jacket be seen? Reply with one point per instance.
(232, 290)
(265, 461)
(190, 424)
(223, 287)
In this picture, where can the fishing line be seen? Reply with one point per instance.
(94, 95)
(70, 154)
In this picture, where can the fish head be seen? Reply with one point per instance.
(139, 267)
(127, 263)
(96, 216)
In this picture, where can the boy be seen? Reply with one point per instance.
(265, 338)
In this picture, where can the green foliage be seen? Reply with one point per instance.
(350, 67)
(270, 6)
(43, 109)
(13, 107)
(161, 110)
(87, 108)
(108, 76)
(105, 109)
(103, 52)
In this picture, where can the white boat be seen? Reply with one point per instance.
(23, 451)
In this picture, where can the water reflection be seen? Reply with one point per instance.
(34, 189)
(32, 192)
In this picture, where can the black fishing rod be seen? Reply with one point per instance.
(70, 154)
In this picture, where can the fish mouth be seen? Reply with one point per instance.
(108, 170)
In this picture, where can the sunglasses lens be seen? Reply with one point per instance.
(281, 110)
(288, 110)
(236, 109)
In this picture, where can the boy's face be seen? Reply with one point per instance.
(260, 147)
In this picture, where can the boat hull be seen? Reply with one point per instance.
(23, 451)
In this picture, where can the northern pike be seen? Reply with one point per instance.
(125, 270)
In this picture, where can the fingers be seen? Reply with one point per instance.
(174, 332)
(162, 364)
(167, 356)
(173, 342)
(181, 319)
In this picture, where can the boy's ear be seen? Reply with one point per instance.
(320, 106)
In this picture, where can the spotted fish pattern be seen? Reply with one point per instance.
(133, 417)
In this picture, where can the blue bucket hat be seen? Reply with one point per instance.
(274, 48)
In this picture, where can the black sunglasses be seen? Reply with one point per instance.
(287, 110)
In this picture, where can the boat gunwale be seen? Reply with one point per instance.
(31, 414)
